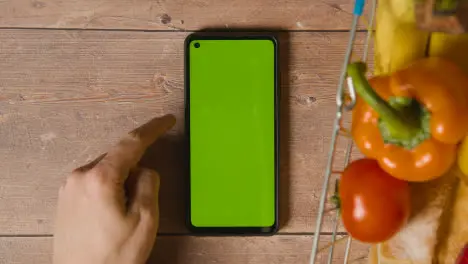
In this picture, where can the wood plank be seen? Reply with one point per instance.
(176, 14)
(65, 96)
(198, 250)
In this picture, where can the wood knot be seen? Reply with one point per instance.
(165, 19)
(306, 100)
(160, 80)
(38, 4)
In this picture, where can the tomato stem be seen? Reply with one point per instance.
(335, 199)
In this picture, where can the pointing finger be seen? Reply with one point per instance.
(128, 152)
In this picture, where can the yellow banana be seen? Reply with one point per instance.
(398, 41)
(463, 159)
(453, 47)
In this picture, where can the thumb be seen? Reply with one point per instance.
(143, 210)
(142, 192)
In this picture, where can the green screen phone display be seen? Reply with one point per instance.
(232, 119)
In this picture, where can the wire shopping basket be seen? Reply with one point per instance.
(342, 106)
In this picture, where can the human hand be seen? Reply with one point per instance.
(108, 209)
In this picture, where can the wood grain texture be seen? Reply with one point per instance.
(176, 14)
(65, 96)
(198, 250)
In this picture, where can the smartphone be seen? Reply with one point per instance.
(232, 121)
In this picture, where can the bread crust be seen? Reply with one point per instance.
(419, 241)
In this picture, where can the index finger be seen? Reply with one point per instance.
(128, 152)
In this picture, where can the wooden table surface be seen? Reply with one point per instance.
(75, 75)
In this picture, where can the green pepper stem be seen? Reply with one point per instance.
(399, 126)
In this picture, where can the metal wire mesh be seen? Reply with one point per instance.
(342, 105)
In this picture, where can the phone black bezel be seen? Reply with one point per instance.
(241, 231)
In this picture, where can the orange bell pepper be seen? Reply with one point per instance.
(411, 121)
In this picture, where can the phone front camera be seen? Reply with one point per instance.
(196, 45)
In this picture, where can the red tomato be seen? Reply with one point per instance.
(463, 257)
(374, 205)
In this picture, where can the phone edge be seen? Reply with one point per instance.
(232, 231)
